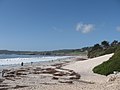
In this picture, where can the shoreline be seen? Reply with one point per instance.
(40, 63)
(47, 62)
(18, 60)
(54, 76)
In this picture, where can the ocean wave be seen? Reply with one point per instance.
(9, 61)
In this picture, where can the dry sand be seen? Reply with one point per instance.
(88, 80)
(84, 68)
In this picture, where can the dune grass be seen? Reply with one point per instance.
(113, 64)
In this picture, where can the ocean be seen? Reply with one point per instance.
(6, 59)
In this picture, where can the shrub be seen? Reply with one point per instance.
(113, 64)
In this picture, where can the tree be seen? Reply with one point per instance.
(96, 47)
(105, 44)
(118, 43)
(114, 43)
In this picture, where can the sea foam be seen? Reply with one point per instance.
(9, 61)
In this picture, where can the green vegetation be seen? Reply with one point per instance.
(113, 64)
(82, 51)
(109, 66)
(103, 48)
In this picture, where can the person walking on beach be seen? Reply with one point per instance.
(3, 72)
(31, 63)
(22, 64)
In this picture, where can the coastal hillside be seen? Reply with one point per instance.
(103, 48)
(108, 67)
(64, 52)
(113, 64)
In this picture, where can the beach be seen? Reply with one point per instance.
(66, 74)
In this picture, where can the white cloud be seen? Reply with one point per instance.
(84, 28)
(118, 28)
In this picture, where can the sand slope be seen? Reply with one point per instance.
(84, 68)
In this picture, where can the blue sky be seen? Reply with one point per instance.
(57, 24)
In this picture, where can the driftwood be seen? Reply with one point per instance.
(1, 80)
(65, 81)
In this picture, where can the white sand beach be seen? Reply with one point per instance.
(59, 75)
(84, 68)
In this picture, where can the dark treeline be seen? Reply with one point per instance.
(103, 48)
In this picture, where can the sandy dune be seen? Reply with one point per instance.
(84, 68)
